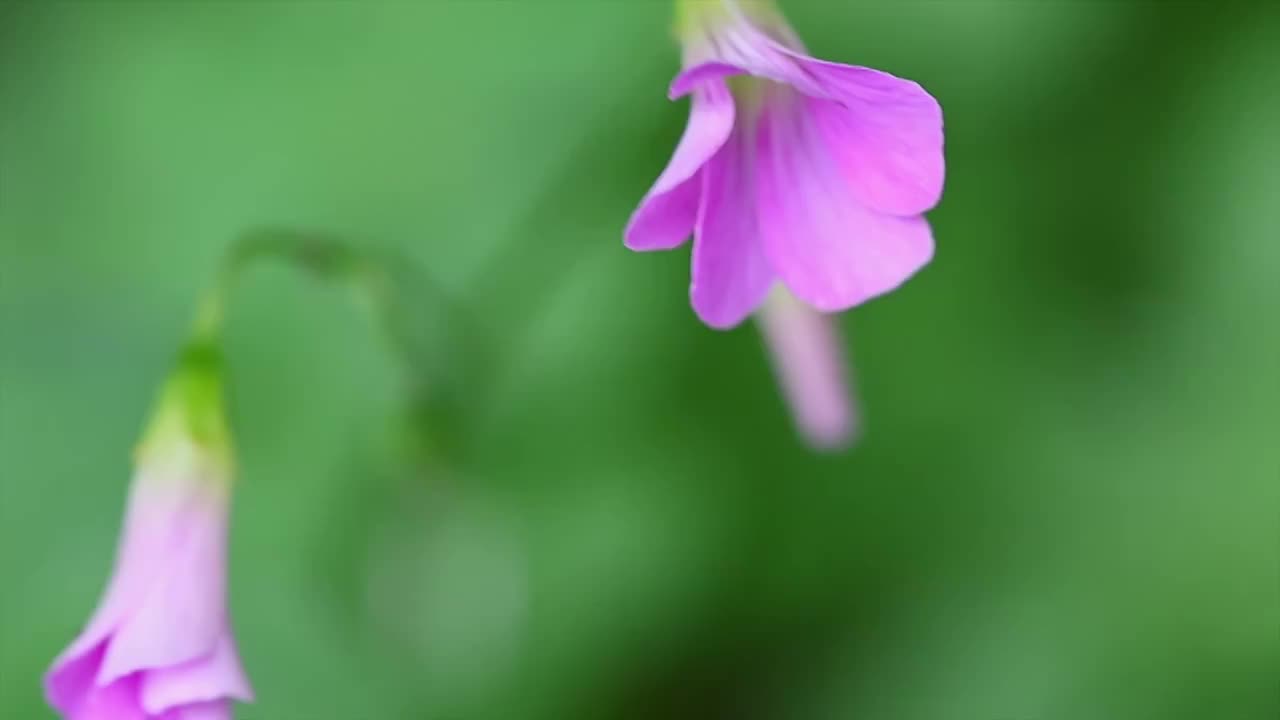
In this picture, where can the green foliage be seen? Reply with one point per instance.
(1066, 502)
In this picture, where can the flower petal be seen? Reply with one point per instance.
(740, 51)
(183, 615)
(69, 682)
(830, 250)
(215, 710)
(219, 676)
(117, 701)
(808, 358)
(699, 74)
(666, 216)
(149, 528)
(733, 39)
(885, 134)
(730, 273)
(885, 131)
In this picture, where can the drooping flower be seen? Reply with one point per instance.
(159, 645)
(792, 170)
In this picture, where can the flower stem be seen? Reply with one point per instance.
(414, 329)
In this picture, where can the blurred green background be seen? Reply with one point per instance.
(1066, 504)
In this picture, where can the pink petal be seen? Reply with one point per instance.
(757, 57)
(70, 681)
(885, 134)
(830, 250)
(730, 273)
(183, 615)
(215, 710)
(699, 74)
(735, 45)
(216, 677)
(809, 361)
(117, 701)
(149, 527)
(666, 216)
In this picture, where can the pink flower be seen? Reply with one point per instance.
(159, 645)
(807, 173)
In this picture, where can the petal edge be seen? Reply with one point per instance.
(666, 216)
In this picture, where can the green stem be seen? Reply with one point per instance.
(415, 330)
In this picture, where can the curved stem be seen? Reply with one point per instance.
(422, 348)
